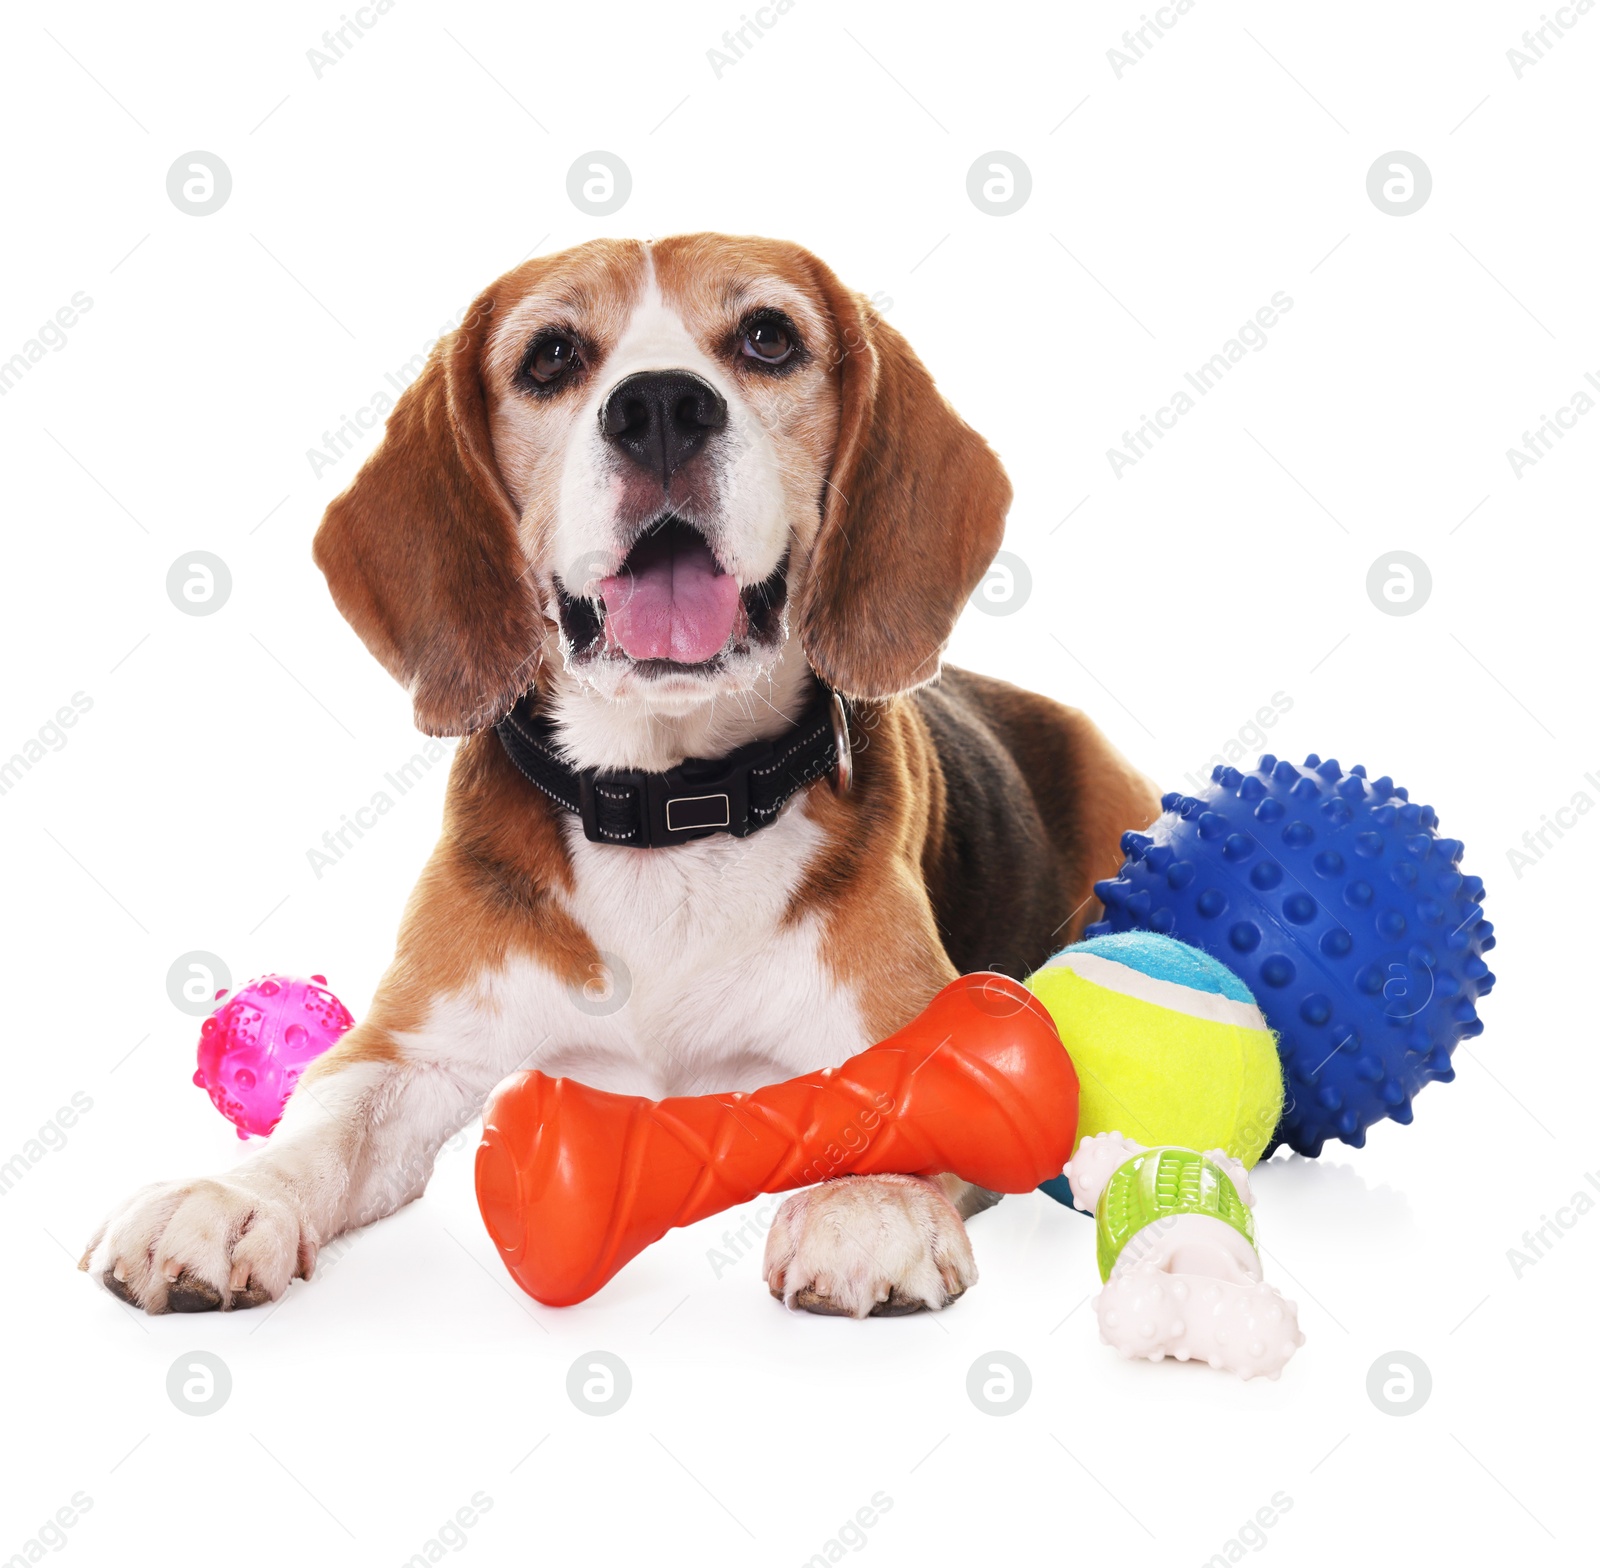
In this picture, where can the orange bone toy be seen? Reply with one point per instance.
(573, 1182)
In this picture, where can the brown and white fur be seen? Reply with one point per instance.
(463, 553)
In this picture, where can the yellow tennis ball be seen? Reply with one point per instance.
(1169, 1045)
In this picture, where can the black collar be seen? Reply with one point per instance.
(734, 794)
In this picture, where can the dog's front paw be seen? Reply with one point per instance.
(869, 1246)
(200, 1246)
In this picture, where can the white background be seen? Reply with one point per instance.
(368, 207)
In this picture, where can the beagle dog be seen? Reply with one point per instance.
(673, 534)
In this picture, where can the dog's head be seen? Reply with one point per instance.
(651, 465)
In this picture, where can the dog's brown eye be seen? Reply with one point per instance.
(551, 359)
(768, 341)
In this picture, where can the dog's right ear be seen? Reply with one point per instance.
(422, 555)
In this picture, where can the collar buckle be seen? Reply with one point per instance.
(652, 810)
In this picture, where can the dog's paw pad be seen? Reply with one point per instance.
(119, 1288)
(189, 1293)
(869, 1246)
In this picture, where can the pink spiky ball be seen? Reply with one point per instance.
(255, 1046)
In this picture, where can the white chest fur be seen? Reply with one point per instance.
(705, 988)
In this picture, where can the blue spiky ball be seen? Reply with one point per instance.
(1333, 897)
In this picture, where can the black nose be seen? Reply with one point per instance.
(661, 418)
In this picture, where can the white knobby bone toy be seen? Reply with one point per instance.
(1176, 1247)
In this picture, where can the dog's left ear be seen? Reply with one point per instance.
(421, 552)
(915, 509)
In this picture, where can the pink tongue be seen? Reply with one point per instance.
(675, 606)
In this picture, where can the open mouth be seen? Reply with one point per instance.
(671, 604)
